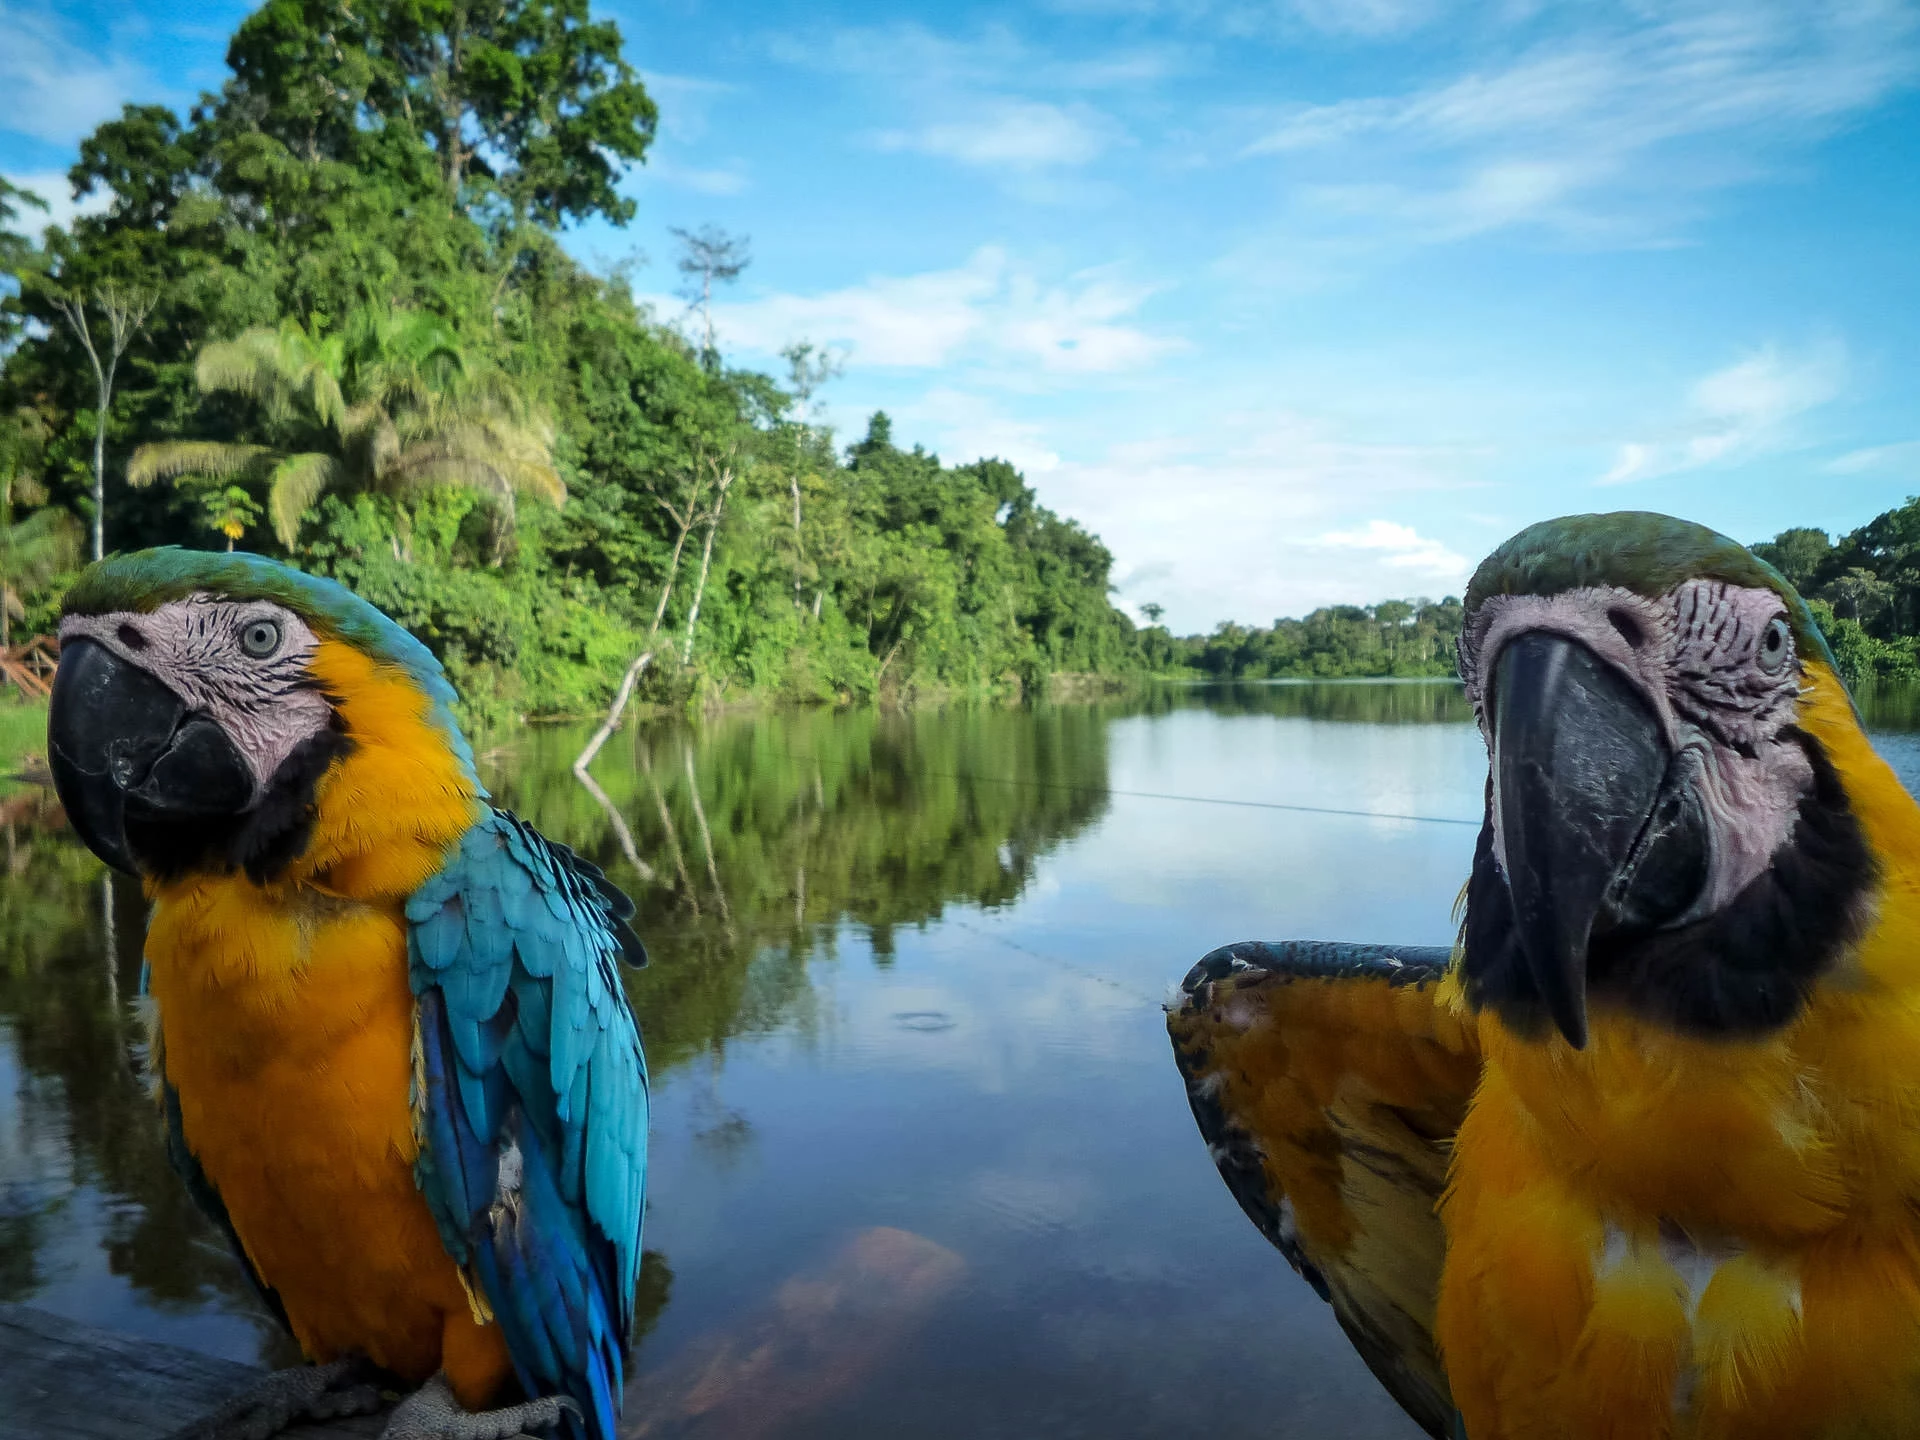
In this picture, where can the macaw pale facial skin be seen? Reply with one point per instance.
(1640, 1156)
(394, 1057)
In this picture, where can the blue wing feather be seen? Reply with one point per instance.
(533, 1102)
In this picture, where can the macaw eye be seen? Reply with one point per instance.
(1776, 644)
(260, 638)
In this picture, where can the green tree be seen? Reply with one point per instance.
(388, 407)
(532, 95)
(38, 546)
(1797, 554)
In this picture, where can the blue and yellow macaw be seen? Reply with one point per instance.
(396, 1062)
(1640, 1155)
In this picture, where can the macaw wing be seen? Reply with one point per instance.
(531, 1102)
(1329, 1085)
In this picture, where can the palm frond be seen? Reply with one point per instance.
(298, 481)
(418, 469)
(255, 363)
(168, 459)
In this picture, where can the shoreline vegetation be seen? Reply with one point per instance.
(325, 314)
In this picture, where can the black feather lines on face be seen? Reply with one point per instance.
(1744, 970)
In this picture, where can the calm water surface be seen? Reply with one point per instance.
(922, 1163)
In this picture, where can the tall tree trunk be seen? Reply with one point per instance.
(666, 586)
(699, 589)
(722, 480)
(126, 312)
(100, 456)
(793, 481)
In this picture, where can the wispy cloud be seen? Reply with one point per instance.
(1744, 410)
(1374, 19)
(1904, 455)
(57, 89)
(1363, 19)
(702, 180)
(1401, 547)
(959, 96)
(1009, 133)
(1626, 113)
(964, 425)
(987, 310)
(913, 57)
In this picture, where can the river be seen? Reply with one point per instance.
(922, 1164)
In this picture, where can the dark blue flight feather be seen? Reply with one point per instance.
(533, 1102)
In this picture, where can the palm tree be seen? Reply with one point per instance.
(33, 550)
(389, 406)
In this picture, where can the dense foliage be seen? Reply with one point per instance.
(332, 320)
(1864, 589)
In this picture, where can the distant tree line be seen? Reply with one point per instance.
(1392, 637)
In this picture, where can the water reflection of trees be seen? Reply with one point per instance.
(766, 833)
(1437, 702)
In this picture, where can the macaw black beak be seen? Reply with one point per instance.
(1601, 830)
(126, 754)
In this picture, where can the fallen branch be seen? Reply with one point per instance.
(612, 722)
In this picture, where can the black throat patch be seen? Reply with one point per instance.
(262, 841)
(1744, 970)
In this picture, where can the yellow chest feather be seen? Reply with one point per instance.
(287, 1034)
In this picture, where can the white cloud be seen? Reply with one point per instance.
(1008, 133)
(716, 180)
(56, 89)
(1277, 522)
(952, 96)
(989, 309)
(1401, 547)
(1876, 457)
(52, 187)
(1630, 113)
(963, 426)
(1744, 410)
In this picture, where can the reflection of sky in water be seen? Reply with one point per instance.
(954, 1190)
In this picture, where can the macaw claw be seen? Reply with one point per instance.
(304, 1392)
(431, 1413)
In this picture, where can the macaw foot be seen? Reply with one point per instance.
(305, 1392)
(431, 1413)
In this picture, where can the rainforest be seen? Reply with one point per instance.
(327, 314)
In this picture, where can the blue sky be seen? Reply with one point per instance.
(1291, 301)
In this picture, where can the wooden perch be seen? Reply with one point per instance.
(29, 668)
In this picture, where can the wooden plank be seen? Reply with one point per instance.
(62, 1380)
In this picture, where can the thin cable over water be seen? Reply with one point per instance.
(1192, 799)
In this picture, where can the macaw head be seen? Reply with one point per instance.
(1672, 827)
(224, 712)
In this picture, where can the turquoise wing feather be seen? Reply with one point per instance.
(532, 1102)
